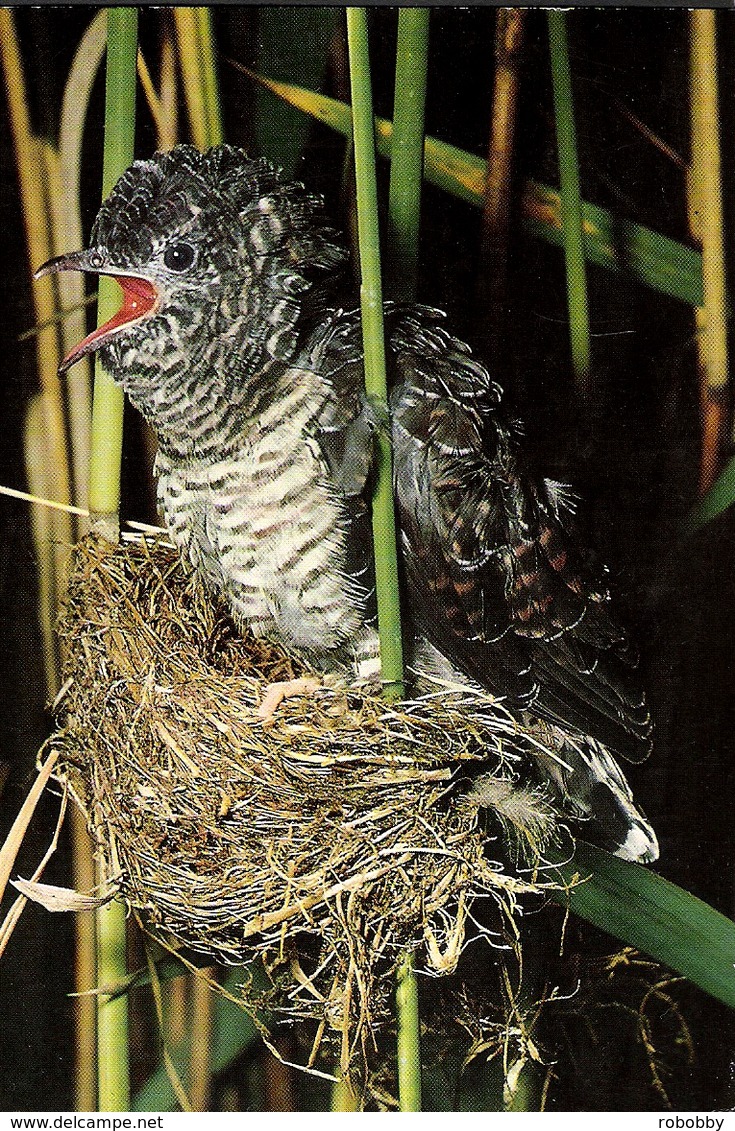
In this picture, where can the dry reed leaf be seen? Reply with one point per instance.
(14, 839)
(10, 921)
(56, 898)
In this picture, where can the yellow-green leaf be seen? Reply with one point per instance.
(667, 266)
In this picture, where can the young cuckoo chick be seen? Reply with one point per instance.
(230, 343)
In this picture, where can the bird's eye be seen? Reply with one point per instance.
(179, 256)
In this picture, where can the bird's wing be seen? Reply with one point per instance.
(344, 429)
(345, 424)
(494, 577)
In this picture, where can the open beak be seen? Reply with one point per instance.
(140, 298)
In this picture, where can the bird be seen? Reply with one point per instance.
(235, 343)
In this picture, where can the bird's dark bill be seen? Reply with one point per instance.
(139, 298)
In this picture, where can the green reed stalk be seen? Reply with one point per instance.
(209, 79)
(107, 405)
(409, 1036)
(571, 200)
(402, 257)
(104, 504)
(407, 154)
(371, 300)
(384, 525)
(343, 1097)
(113, 1069)
(706, 146)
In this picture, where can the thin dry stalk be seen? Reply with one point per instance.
(35, 203)
(493, 277)
(14, 839)
(68, 236)
(15, 912)
(162, 103)
(707, 225)
(200, 1065)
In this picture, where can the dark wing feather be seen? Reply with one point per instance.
(494, 577)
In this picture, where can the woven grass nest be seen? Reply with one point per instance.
(327, 840)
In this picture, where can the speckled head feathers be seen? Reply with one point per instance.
(236, 192)
(223, 264)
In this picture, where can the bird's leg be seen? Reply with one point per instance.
(275, 693)
(365, 668)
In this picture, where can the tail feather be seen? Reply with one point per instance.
(587, 781)
(594, 788)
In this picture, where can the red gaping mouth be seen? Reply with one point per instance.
(140, 298)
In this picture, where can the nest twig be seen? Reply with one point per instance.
(327, 841)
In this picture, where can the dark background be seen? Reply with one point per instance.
(632, 453)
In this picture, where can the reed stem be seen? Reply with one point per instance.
(113, 1071)
(196, 57)
(384, 523)
(407, 154)
(402, 255)
(492, 283)
(67, 216)
(104, 505)
(107, 404)
(371, 301)
(707, 224)
(409, 1036)
(571, 201)
(343, 1096)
